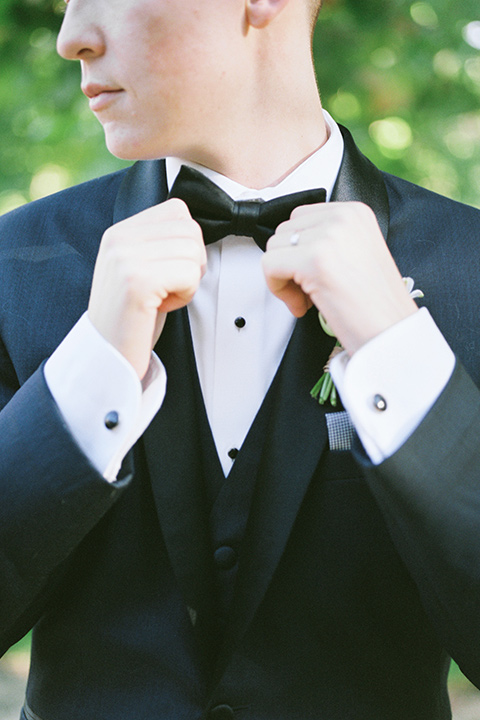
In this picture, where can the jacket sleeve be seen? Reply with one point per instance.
(51, 497)
(429, 494)
(50, 494)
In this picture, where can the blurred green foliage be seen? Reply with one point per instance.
(403, 77)
(400, 74)
(49, 138)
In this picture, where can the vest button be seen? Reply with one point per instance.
(225, 557)
(221, 712)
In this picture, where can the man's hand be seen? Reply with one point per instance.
(342, 265)
(147, 265)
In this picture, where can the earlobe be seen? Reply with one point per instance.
(261, 12)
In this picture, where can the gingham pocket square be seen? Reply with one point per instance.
(340, 430)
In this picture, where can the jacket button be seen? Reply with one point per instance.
(221, 712)
(225, 557)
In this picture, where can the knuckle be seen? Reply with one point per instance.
(362, 211)
(284, 228)
(196, 230)
(109, 238)
(316, 262)
(113, 241)
(195, 273)
(132, 284)
(177, 207)
(304, 210)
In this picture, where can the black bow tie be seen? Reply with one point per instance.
(218, 215)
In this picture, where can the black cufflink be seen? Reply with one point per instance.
(380, 402)
(111, 420)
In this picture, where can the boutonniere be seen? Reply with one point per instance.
(324, 389)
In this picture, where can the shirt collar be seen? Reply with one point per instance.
(319, 170)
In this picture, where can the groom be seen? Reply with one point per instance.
(190, 533)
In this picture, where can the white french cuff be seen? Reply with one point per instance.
(89, 379)
(407, 366)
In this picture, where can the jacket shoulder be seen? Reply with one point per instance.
(425, 209)
(78, 212)
(436, 241)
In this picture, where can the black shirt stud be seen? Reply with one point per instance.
(111, 420)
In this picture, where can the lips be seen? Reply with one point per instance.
(100, 96)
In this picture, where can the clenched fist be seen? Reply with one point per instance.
(341, 264)
(147, 265)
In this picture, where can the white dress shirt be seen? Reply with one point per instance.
(237, 361)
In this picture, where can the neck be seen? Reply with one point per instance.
(259, 136)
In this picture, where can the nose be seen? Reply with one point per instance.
(80, 37)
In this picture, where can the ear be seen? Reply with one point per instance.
(261, 12)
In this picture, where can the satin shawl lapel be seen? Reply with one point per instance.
(173, 452)
(360, 180)
(144, 185)
(297, 432)
(172, 440)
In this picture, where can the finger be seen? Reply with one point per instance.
(284, 240)
(293, 296)
(152, 241)
(290, 293)
(295, 239)
(167, 227)
(282, 270)
(292, 232)
(304, 216)
(162, 285)
(179, 281)
(304, 210)
(332, 216)
(173, 209)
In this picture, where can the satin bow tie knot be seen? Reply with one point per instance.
(218, 215)
(245, 217)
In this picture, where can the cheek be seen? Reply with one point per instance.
(172, 59)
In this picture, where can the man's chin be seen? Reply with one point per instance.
(126, 147)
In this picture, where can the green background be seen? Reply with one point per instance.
(400, 75)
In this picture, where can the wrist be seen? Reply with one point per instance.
(371, 327)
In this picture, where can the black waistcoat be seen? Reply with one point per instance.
(228, 501)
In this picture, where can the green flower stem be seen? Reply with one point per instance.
(315, 391)
(324, 390)
(333, 396)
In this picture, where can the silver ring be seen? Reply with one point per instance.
(294, 239)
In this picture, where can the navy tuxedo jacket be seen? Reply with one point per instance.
(353, 583)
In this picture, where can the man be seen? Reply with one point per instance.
(238, 561)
